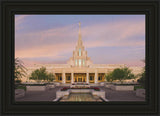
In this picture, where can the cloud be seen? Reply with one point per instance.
(57, 41)
(19, 19)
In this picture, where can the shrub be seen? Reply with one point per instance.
(18, 81)
(64, 88)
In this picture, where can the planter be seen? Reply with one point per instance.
(140, 93)
(50, 86)
(99, 93)
(123, 87)
(57, 84)
(102, 84)
(80, 90)
(60, 94)
(36, 88)
(80, 86)
(19, 93)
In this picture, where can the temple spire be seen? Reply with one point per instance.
(79, 36)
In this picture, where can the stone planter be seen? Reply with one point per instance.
(140, 93)
(35, 88)
(79, 86)
(60, 94)
(57, 84)
(109, 86)
(50, 86)
(99, 93)
(123, 87)
(19, 93)
(102, 84)
(80, 90)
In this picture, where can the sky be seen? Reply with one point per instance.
(108, 39)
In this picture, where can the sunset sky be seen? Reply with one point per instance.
(108, 39)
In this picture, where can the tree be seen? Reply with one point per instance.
(19, 69)
(121, 74)
(142, 76)
(109, 77)
(42, 74)
(142, 79)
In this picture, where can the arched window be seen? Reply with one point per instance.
(79, 51)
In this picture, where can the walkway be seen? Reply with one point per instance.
(50, 95)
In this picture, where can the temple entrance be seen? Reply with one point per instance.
(79, 77)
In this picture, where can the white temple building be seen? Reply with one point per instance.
(80, 68)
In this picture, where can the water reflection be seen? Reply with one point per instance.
(78, 97)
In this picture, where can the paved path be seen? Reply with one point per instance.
(112, 95)
(50, 95)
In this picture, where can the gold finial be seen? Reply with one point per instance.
(79, 24)
(79, 27)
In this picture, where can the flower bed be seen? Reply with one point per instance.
(66, 88)
(80, 84)
(95, 88)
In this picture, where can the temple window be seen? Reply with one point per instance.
(59, 78)
(79, 62)
(91, 78)
(79, 51)
(68, 78)
(76, 62)
(100, 78)
(83, 62)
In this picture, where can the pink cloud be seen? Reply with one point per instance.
(57, 41)
(19, 19)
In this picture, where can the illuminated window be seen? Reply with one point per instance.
(68, 78)
(79, 62)
(91, 78)
(100, 78)
(79, 51)
(76, 62)
(83, 62)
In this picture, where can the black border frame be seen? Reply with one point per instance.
(149, 7)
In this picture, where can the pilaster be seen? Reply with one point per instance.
(63, 77)
(96, 77)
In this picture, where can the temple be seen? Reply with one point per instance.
(80, 68)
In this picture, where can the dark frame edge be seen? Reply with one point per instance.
(4, 109)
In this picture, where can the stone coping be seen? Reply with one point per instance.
(19, 93)
(121, 87)
(60, 94)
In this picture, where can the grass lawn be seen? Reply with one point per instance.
(21, 87)
(138, 87)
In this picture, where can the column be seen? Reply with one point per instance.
(96, 77)
(87, 78)
(63, 77)
(72, 81)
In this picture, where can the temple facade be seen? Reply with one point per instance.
(80, 68)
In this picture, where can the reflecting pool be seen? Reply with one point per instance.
(81, 97)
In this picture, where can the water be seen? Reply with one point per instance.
(81, 97)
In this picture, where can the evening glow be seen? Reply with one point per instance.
(108, 39)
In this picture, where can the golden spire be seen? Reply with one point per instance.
(79, 37)
(79, 28)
